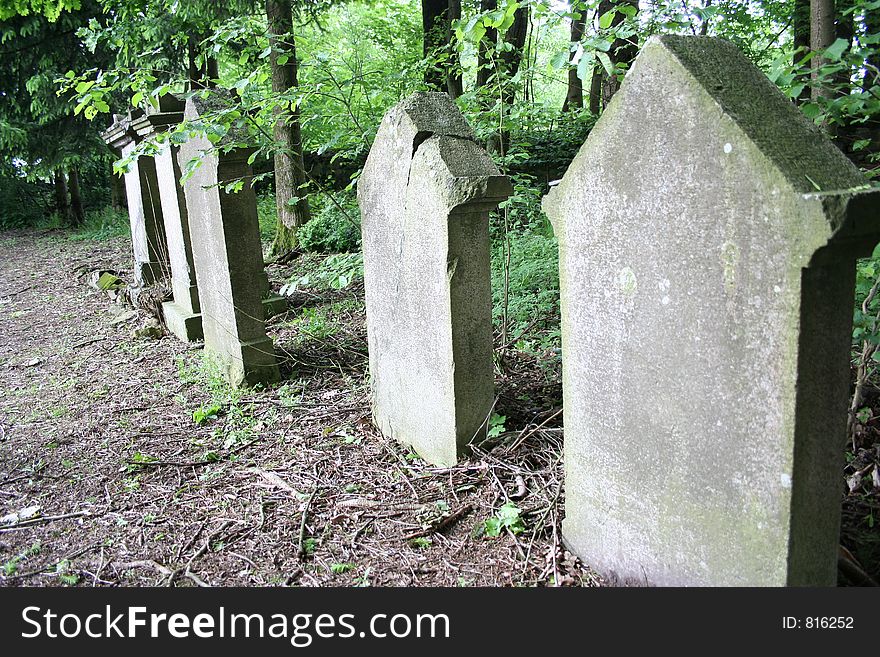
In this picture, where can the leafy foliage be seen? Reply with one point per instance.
(102, 225)
(508, 517)
(335, 272)
(533, 282)
(335, 226)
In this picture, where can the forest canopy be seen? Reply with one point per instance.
(531, 75)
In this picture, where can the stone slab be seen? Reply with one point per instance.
(707, 236)
(228, 259)
(425, 194)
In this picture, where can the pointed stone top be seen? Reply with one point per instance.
(463, 173)
(432, 112)
(428, 119)
(803, 155)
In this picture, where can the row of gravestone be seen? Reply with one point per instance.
(220, 289)
(707, 237)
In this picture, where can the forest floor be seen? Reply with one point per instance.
(128, 461)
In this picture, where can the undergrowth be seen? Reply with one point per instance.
(102, 225)
(334, 227)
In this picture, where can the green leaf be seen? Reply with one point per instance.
(137, 98)
(836, 49)
(508, 517)
(559, 60)
(509, 16)
(585, 68)
(602, 44)
(494, 18)
(606, 18)
(496, 425)
(606, 62)
(282, 60)
(509, 513)
(205, 413)
(492, 527)
(811, 110)
(796, 90)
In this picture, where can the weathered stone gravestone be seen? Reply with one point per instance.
(425, 194)
(228, 259)
(144, 208)
(707, 237)
(182, 314)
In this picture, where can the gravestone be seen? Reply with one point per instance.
(182, 314)
(144, 207)
(425, 195)
(707, 235)
(228, 258)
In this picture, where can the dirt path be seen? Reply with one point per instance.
(141, 467)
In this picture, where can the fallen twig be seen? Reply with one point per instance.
(300, 544)
(523, 436)
(53, 566)
(9, 295)
(45, 519)
(441, 523)
(145, 563)
(83, 343)
(191, 464)
(275, 479)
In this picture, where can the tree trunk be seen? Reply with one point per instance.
(485, 67)
(872, 70)
(574, 96)
(596, 89)
(512, 56)
(205, 75)
(508, 64)
(195, 73)
(118, 200)
(822, 35)
(844, 29)
(62, 205)
(704, 27)
(212, 70)
(290, 179)
(454, 84)
(622, 51)
(77, 216)
(872, 78)
(433, 40)
(844, 133)
(801, 22)
(192, 69)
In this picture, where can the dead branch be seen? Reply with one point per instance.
(442, 523)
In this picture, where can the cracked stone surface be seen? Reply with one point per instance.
(425, 195)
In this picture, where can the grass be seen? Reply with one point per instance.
(225, 410)
(99, 225)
